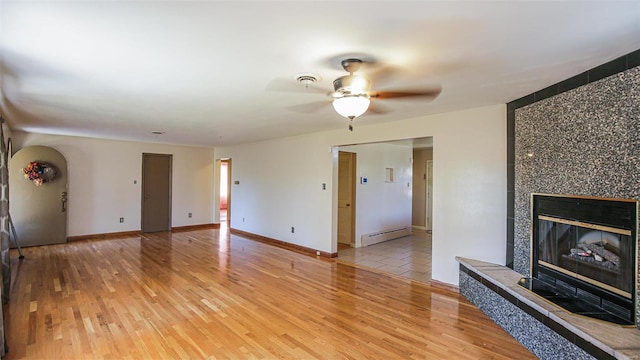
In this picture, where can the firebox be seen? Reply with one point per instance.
(584, 254)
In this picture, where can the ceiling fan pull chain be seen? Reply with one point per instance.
(351, 124)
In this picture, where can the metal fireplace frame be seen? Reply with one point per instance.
(592, 286)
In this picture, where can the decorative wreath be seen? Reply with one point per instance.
(39, 172)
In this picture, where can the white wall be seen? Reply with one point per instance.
(381, 205)
(281, 187)
(102, 175)
(280, 184)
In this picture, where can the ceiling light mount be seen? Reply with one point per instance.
(351, 65)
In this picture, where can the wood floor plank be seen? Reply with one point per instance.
(208, 294)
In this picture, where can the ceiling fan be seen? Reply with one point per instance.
(351, 95)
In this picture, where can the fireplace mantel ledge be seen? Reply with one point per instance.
(618, 341)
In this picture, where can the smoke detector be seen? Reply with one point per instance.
(307, 79)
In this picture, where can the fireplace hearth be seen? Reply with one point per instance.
(584, 255)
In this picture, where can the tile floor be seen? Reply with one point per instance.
(409, 256)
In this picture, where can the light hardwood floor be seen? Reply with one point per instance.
(203, 294)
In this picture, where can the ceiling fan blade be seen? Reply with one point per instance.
(381, 74)
(286, 85)
(309, 107)
(377, 109)
(430, 93)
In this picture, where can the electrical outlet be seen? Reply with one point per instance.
(189, 214)
(121, 220)
(324, 186)
(293, 229)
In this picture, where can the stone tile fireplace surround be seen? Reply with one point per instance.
(583, 142)
(580, 137)
(542, 327)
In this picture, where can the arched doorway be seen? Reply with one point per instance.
(38, 204)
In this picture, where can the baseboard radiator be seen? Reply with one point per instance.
(378, 237)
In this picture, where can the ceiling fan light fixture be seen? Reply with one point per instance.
(351, 84)
(351, 106)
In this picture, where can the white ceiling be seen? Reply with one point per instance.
(200, 70)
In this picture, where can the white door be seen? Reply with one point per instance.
(38, 212)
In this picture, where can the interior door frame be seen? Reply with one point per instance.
(228, 180)
(428, 221)
(169, 193)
